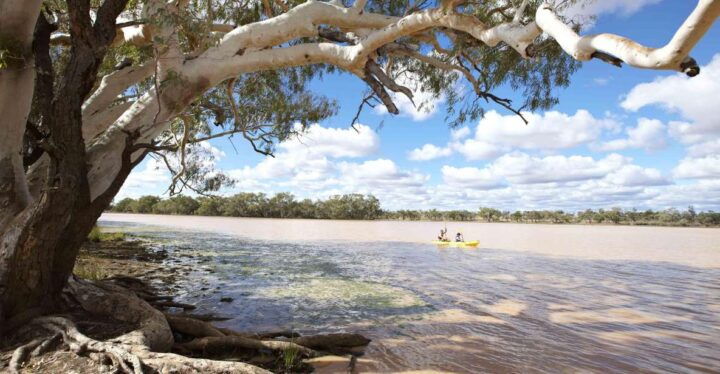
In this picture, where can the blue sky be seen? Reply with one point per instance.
(619, 137)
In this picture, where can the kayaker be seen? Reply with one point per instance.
(459, 237)
(443, 235)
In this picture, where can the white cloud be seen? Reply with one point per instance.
(379, 173)
(649, 134)
(594, 8)
(309, 157)
(153, 179)
(521, 168)
(633, 175)
(698, 168)
(707, 148)
(686, 132)
(704, 195)
(428, 152)
(496, 134)
(216, 153)
(461, 133)
(315, 166)
(601, 81)
(333, 142)
(695, 99)
(478, 150)
(471, 178)
(519, 181)
(551, 130)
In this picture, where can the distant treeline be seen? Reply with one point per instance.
(282, 205)
(367, 207)
(617, 216)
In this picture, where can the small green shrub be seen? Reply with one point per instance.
(89, 269)
(98, 236)
(290, 357)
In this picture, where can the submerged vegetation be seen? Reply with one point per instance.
(367, 207)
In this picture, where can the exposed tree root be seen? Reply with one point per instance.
(275, 334)
(331, 341)
(193, 327)
(144, 349)
(174, 363)
(33, 349)
(153, 331)
(261, 335)
(128, 359)
(80, 344)
(216, 345)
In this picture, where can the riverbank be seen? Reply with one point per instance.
(457, 221)
(99, 337)
(116, 255)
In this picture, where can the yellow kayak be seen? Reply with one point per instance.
(473, 244)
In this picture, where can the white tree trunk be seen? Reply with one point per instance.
(17, 23)
(97, 112)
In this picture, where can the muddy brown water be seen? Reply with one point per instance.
(531, 298)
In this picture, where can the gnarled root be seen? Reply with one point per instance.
(153, 332)
(144, 349)
(129, 359)
(80, 344)
(33, 349)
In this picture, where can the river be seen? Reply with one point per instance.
(531, 298)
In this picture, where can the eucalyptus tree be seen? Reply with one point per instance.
(89, 88)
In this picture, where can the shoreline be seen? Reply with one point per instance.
(690, 246)
(559, 224)
(128, 256)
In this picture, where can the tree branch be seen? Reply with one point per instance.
(613, 48)
(373, 68)
(107, 92)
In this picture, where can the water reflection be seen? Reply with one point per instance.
(462, 311)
